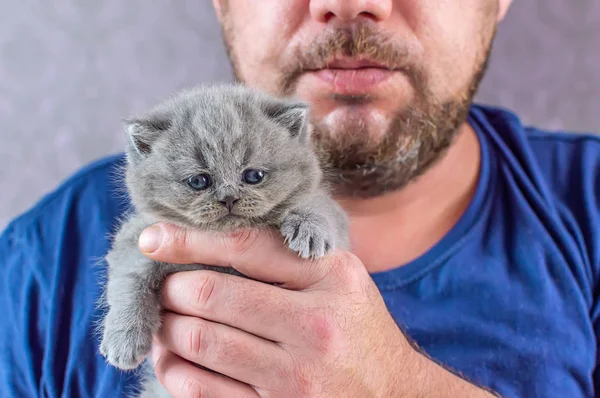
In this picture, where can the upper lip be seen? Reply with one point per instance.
(353, 63)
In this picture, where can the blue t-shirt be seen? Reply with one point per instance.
(508, 298)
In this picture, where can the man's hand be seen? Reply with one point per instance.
(320, 328)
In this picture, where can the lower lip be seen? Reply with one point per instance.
(353, 81)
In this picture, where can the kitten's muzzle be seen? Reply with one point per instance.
(228, 202)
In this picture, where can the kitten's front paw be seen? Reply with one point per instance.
(126, 348)
(308, 236)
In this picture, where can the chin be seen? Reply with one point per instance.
(363, 120)
(340, 115)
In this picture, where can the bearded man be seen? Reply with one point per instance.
(475, 240)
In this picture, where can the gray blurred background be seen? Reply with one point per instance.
(71, 69)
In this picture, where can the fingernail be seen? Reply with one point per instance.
(150, 239)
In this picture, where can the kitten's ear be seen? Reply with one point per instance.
(291, 115)
(143, 132)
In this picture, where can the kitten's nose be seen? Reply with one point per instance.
(228, 201)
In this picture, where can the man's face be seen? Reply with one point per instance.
(389, 82)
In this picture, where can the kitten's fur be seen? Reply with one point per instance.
(220, 130)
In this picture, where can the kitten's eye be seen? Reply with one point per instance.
(199, 182)
(252, 176)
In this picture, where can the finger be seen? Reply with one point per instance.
(228, 299)
(257, 253)
(182, 379)
(229, 351)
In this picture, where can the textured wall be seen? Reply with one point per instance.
(70, 69)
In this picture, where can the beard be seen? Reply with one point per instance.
(357, 162)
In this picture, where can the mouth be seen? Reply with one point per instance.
(347, 76)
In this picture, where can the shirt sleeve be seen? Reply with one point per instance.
(51, 279)
(51, 282)
(588, 215)
(22, 315)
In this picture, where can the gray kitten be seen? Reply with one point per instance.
(212, 158)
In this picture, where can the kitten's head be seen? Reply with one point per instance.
(220, 157)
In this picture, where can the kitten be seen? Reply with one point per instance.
(212, 158)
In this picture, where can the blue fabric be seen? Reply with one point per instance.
(508, 298)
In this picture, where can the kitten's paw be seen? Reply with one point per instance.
(308, 236)
(126, 348)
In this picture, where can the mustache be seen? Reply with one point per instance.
(361, 41)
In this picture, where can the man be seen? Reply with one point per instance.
(475, 240)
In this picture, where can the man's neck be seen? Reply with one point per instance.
(394, 229)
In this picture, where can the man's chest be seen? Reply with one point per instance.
(517, 324)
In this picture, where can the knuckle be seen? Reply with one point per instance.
(179, 385)
(339, 261)
(345, 267)
(239, 242)
(203, 292)
(192, 388)
(196, 339)
(322, 329)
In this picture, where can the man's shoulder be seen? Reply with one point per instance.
(508, 122)
(565, 152)
(557, 155)
(570, 162)
(50, 265)
(556, 172)
(92, 196)
(563, 166)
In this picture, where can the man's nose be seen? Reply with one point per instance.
(348, 10)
